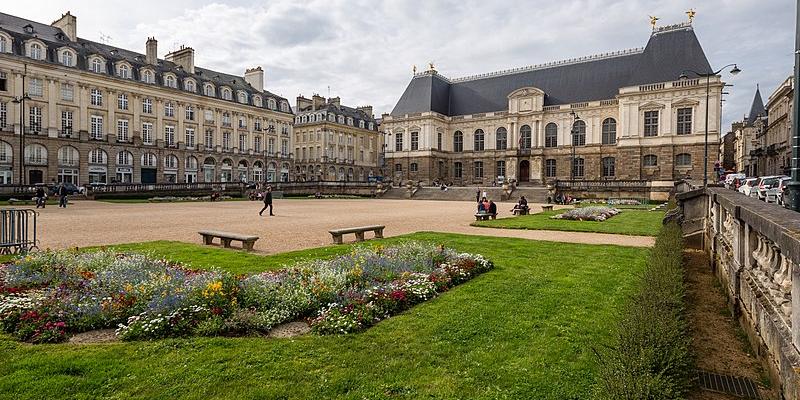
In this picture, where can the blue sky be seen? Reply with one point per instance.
(364, 50)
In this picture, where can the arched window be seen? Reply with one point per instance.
(458, 142)
(478, 141)
(124, 71)
(502, 139)
(208, 90)
(124, 158)
(98, 156)
(609, 131)
(68, 155)
(271, 104)
(4, 44)
(257, 101)
(67, 58)
(683, 160)
(191, 163)
(35, 154)
(608, 167)
(284, 106)
(551, 135)
(169, 81)
(6, 153)
(525, 137)
(579, 133)
(650, 160)
(190, 87)
(97, 65)
(149, 160)
(226, 94)
(243, 97)
(171, 162)
(36, 51)
(147, 76)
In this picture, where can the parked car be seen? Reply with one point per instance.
(775, 191)
(747, 186)
(738, 182)
(72, 189)
(764, 183)
(730, 180)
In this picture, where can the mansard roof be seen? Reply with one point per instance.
(669, 52)
(332, 108)
(756, 109)
(56, 39)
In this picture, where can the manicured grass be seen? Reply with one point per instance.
(524, 330)
(628, 222)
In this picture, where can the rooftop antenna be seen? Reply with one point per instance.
(329, 91)
(106, 39)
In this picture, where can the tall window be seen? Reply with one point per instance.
(684, 121)
(147, 106)
(501, 140)
(683, 160)
(577, 167)
(169, 81)
(36, 87)
(122, 101)
(124, 72)
(98, 156)
(190, 87)
(439, 141)
(169, 109)
(398, 141)
(35, 118)
(458, 142)
(169, 135)
(608, 167)
(271, 146)
(96, 127)
(226, 94)
(147, 77)
(66, 122)
(97, 65)
(550, 168)
(208, 90)
(501, 168)
(242, 142)
(3, 45)
(650, 160)
(478, 141)
(413, 167)
(258, 148)
(122, 130)
(96, 97)
(478, 166)
(609, 131)
(67, 58)
(551, 135)
(147, 132)
(189, 113)
(189, 137)
(149, 160)
(3, 113)
(36, 51)
(124, 158)
(579, 133)
(226, 141)
(457, 169)
(209, 138)
(651, 123)
(67, 92)
(284, 147)
(414, 140)
(525, 137)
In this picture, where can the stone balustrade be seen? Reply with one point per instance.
(754, 249)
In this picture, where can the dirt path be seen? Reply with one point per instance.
(298, 224)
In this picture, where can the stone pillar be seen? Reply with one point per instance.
(795, 305)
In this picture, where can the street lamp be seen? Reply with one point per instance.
(734, 71)
(21, 101)
(575, 119)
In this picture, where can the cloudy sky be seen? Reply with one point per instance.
(364, 49)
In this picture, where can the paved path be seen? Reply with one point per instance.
(298, 224)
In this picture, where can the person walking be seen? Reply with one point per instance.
(41, 199)
(62, 193)
(267, 201)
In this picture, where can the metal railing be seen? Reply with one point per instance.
(166, 187)
(17, 230)
(602, 184)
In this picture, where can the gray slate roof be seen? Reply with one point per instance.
(55, 39)
(346, 111)
(756, 109)
(667, 54)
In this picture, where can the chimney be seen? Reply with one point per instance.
(255, 77)
(68, 24)
(366, 110)
(318, 102)
(335, 101)
(183, 57)
(303, 103)
(151, 54)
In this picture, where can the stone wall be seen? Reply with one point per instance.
(755, 253)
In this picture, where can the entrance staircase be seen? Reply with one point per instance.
(534, 194)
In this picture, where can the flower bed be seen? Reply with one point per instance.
(46, 296)
(588, 214)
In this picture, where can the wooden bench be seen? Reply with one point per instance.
(484, 216)
(359, 231)
(520, 211)
(226, 237)
(547, 207)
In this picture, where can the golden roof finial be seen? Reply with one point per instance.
(691, 13)
(414, 69)
(653, 21)
(431, 67)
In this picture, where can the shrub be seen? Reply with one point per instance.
(593, 213)
(650, 357)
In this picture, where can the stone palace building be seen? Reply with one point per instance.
(96, 113)
(334, 142)
(624, 115)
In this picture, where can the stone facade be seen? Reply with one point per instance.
(774, 152)
(747, 133)
(95, 113)
(335, 142)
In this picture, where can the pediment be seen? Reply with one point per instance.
(526, 91)
(685, 102)
(651, 106)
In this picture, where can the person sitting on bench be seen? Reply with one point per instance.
(521, 207)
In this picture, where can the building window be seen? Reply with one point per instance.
(169, 81)
(398, 168)
(243, 97)
(501, 168)
(579, 133)
(226, 119)
(414, 141)
(36, 87)
(525, 137)
(684, 121)
(147, 133)
(189, 113)
(96, 130)
(398, 141)
(271, 146)
(257, 125)
(122, 130)
(439, 141)
(190, 86)
(226, 94)
(608, 167)
(501, 140)
(257, 145)
(149, 160)
(66, 123)
(550, 168)
(96, 97)
(171, 162)
(226, 141)
(457, 169)
(651, 123)
(3, 44)
(242, 122)
(68, 156)
(650, 160)
(147, 106)
(124, 71)
(577, 167)
(478, 167)
(458, 142)
(683, 160)
(36, 51)
(478, 141)
(98, 156)
(147, 77)
(67, 92)
(190, 137)
(609, 131)
(169, 109)
(209, 138)
(67, 58)
(551, 135)
(35, 119)
(242, 143)
(169, 135)
(3, 114)
(97, 65)
(122, 101)
(413, 167)
(3, 81)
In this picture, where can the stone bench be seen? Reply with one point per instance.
(520, 211)
(484, 216)
(547, 207)
(226, 237)
(359, 231)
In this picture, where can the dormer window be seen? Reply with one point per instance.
(284, 106)
(35, 51)
(28, 28)
(208, 90)
(371, 126)
(97, 65)
(271, 104)
(190, 86)
(331, 118)
(350, 121)
(5, 44)
(257, 101)
(147, 76)
(67, 58)
(243, 97)
(340, 120)
(124, 71)
(226, 94)
(361, 124)
(169, 81)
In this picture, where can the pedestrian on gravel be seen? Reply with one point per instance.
(62, 193)
(267, 201)
(40, 197)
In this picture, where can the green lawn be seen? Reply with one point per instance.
(628, 222)
(524, 330)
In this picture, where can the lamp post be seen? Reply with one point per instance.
(575, 118)
(793, 187)
(21, 101)
(734, 71)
